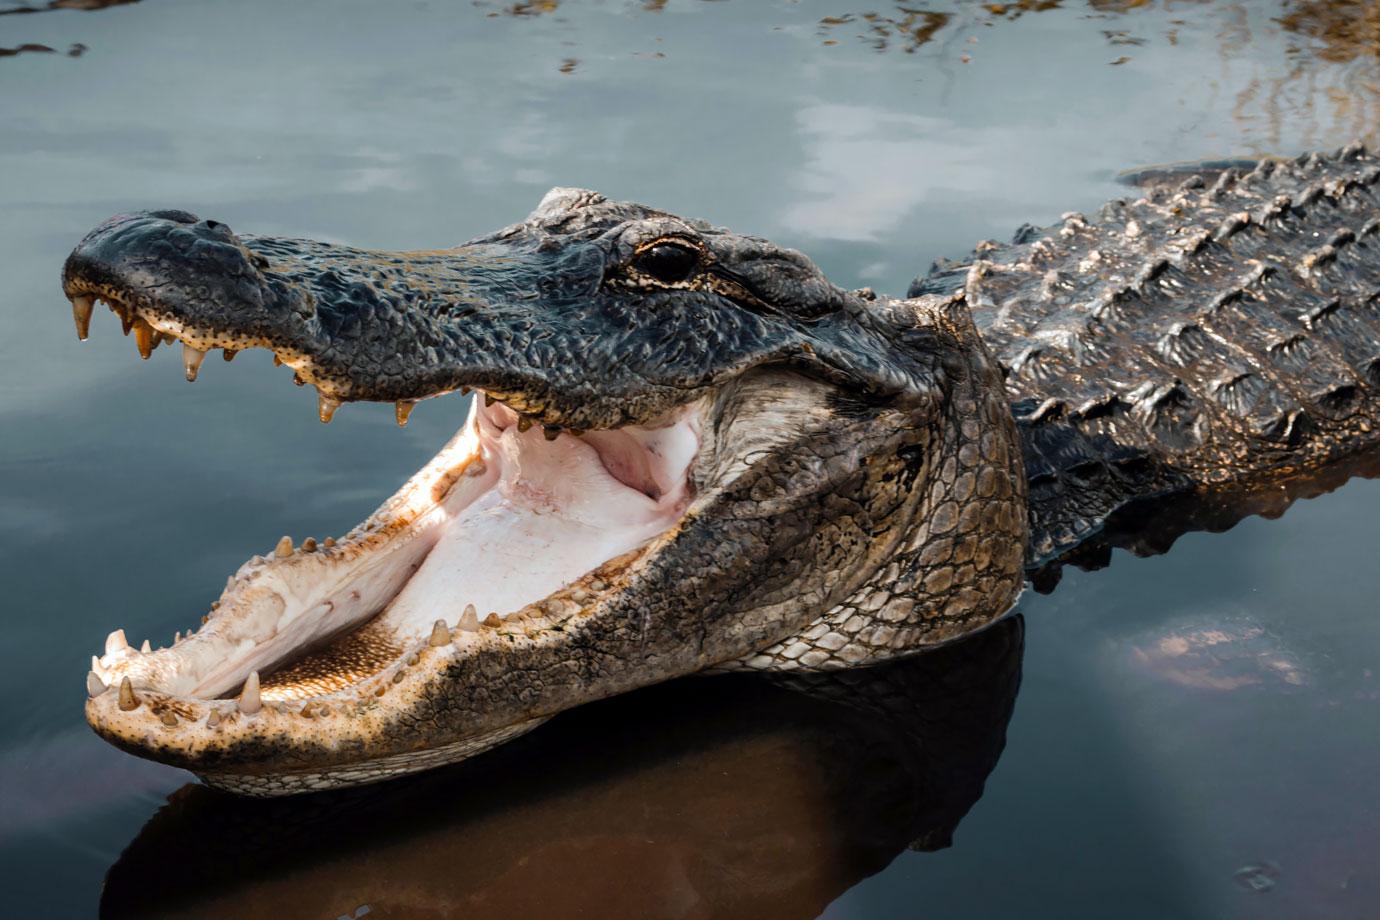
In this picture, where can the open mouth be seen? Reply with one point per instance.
(513, 528)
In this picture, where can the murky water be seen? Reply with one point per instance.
(1195, 735)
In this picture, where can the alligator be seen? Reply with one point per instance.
(687, 451)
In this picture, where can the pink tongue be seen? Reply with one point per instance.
(626, 460)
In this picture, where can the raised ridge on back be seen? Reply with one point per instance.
(1218, 332)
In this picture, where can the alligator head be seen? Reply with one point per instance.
(687, 450)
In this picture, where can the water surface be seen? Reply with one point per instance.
(1194, 733)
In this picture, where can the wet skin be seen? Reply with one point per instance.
(834, 478)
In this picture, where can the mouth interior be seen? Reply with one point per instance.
(503, 518)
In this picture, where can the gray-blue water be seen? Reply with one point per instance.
(1197, 735)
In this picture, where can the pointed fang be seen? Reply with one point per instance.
(284, 547)
(94, 685)
(440, 635)
(325, 407)
(128, 701)
(401, 410)
(116, 642)
(551, 432)
(249, 701)
(229, 355)
(144, 339)
(191, 361)
(146, 648)
(524, 423)
(469, 620)
(81, 314)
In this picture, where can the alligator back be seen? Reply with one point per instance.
(1218, 333)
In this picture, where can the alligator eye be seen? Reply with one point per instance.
(667, 262)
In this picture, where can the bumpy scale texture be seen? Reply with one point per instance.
(1222, 332)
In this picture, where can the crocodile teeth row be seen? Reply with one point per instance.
(250, 698)
(147, 339)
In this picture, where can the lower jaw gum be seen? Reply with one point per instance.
(520, 519)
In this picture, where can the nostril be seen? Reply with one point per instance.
(214, 226)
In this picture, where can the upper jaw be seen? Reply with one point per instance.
(370, 325)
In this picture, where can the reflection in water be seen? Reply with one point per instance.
(73, 51)
(1345, 29)
(65, 5)
(909, 29)
(1151, 526)
(76, 49)
(1331, 74)
(722, 797)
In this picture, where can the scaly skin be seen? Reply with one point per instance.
(847, 439)
(860, 492)
(1221, 332)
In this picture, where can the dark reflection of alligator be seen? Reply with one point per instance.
(702, 798)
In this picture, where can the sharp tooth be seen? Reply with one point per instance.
(229, 354)
(96, 665)
(401, 410)
(489, 400)
(94, 685)
(116, 642)
(326, 406)
(191, 361)
(167, 338)
(493, 621)
(144, 339)
(469, 620)
(249, 701)
(284, 547)
(277, 361)
(297, 380)
(440, 635)
(464, 391)
(551, 432)
(126, 319)
(177, 637)
(81, 314)
(524, 423)
(213, 719)
(309, 545)
(146, 648)
(128, 700)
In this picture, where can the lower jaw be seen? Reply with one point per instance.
(500, 521)
(272, 784)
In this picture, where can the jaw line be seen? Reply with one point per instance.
(386, 581)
